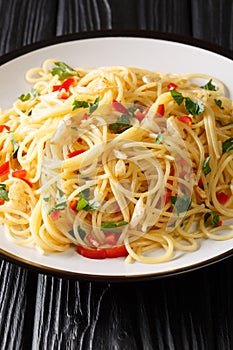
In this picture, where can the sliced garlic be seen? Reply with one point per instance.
(138, 213)
(120, 168)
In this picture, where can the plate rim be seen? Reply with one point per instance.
(143, 34)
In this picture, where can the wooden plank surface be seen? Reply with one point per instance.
(191, 311)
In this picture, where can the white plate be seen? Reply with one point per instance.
(153, 54)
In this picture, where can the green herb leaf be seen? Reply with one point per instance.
(113, 226)
(177, 96)
(32, 94)
(84, 104)
(227, 145)
(58, 206)
(14, 143)
(193, 107)
(94, 105)
(209, 86)
(180, 204)
(214, 218)
(206, 167)
(218, 103)
(62, 70)
(3, 192)
(80, 104)
(61, 193)
(159, 138)
(83, 202)
(47, 199)
(122, 124)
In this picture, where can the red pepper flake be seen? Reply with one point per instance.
(63, 95)
(65, 85)
(4, 168)
(19, 173)
(160, 111)
(200, 183)
(141, 115)
(75, 153)
(185, 119)
(222, 197)
(3, 126)
(168, 194)
(85, 116)
(73, 204)
(172, 86)
(119, 107)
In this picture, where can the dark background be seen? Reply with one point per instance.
(188, 311)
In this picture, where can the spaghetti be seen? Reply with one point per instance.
(117, 161)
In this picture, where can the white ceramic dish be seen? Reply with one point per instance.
(153, 54)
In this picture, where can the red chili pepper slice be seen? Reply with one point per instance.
(172, 86)
(200, 183)
(117, 252)
(160, 110)
(3, 126)
(19, 173)
(73, 204)
(2, 201)
(92, 253)
(168, 194)
(4, 168)
(185, 119)
(222, 197)
(141, 115)
(75, 153)
(27, 182)
(119, 107)
(65, 85)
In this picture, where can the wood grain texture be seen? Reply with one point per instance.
(192, 311)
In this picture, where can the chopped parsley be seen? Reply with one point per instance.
(122, 124)
(180, 203)
(32, 94)
(209, 86)
(84, 104)
(177, 96)
(14, 143)
(113, 226)
(206, 167)
(214, 218)
(193, 107)
(227, 145)
(63, 70)
(3, 192)
(58, 206)
(218, 103)
(83, 202)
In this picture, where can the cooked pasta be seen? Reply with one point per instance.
(117, 161)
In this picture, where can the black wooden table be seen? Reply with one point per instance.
(188, 311)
